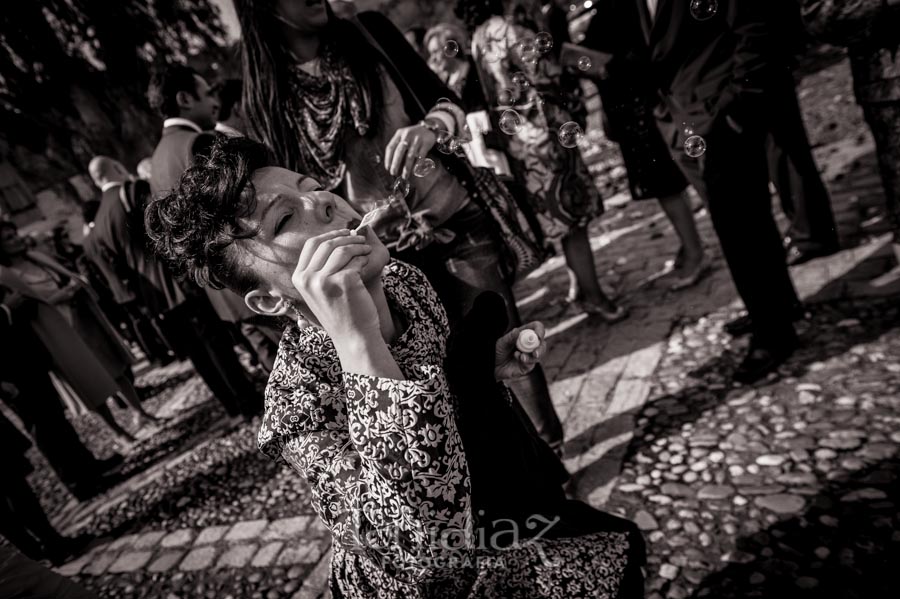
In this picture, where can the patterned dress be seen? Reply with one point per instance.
(390, 476)
(560, 188)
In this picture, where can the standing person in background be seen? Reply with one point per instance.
(792, 168)
(24, 363)
(868, 28)
(190, 107)
(186, 322)
(628, 99)
(351, 104)
(87, 352)
(559, 185)
(714, 73)
(231, 116)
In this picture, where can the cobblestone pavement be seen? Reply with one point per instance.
(786, 487)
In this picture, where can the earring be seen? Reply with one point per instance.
(302, 323)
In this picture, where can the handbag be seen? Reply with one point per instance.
(521, 250)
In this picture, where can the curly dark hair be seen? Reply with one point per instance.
(165, 84)
(194, 227)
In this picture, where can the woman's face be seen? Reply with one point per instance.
(305, 16)
(436, 58)
(10, 242)
(290, 209)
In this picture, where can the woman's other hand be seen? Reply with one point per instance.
(408, 145)
(513, 363)
(65, 294)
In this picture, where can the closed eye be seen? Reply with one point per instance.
(282, 222)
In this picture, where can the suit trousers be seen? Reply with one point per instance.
(884, 120)
(195, 331)
(794, 172)
(732, 177)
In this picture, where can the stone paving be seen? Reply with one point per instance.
(720, 477)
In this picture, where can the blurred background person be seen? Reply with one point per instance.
(628, 98)
(230, 120)
(30, 394)
(352, 105)
(87, 352)
(527, 95)
(868, 28)
(145, 168)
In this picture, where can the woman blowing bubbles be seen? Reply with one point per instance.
(419, 463)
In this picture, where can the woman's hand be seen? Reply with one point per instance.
(328, 279)
(512, 363)
(408, 145)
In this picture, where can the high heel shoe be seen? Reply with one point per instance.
(691, 279)
(610, 316)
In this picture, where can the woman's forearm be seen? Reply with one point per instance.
(367, 354)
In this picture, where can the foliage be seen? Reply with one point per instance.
(73, 75)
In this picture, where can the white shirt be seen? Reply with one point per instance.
(178, 121)
(228, 130)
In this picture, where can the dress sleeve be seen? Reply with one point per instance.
(394, 483)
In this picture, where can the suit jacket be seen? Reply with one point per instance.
(869, 29)
(705, 69)
(116, 246)
(173, 155)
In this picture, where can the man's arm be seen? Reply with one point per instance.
(752, 57)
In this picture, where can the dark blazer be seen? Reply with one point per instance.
(704, 69)
(173, 154)
(116, 246)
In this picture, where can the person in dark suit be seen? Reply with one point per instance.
(190, 108)
(25, 363)
(714, 77)
(186, 322)
(792, 168)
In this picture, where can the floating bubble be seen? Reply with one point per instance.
(520, 80)
(695, 146)
(423, 167)
(451, 48)
(688, 131)
(376, 158)
(447, 144)
(543, 42)
(528, 51)
(584, 63)
(401, 187)
(704, 10)
(507, 96)
(510, 122)
(570, 134)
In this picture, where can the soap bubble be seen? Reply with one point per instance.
(401, 188)
(520, 80)
(423, 167)
(543, 42)
(704, 10)
(447, 144)
(695, 146)
(510, 122)
(451, 48)
(584, 63)
(528, 51)
(570, 134)
(507, 96)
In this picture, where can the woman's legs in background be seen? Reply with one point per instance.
(677, 208)
(106, 415)
(132, 399)
(580, 260)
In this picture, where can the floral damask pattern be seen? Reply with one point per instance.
(389, 476)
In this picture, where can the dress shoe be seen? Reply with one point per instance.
(763, 359)
(743, 325)
(703, 268)
(796, 255)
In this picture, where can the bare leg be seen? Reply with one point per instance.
(677, 209)
(580, 259)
